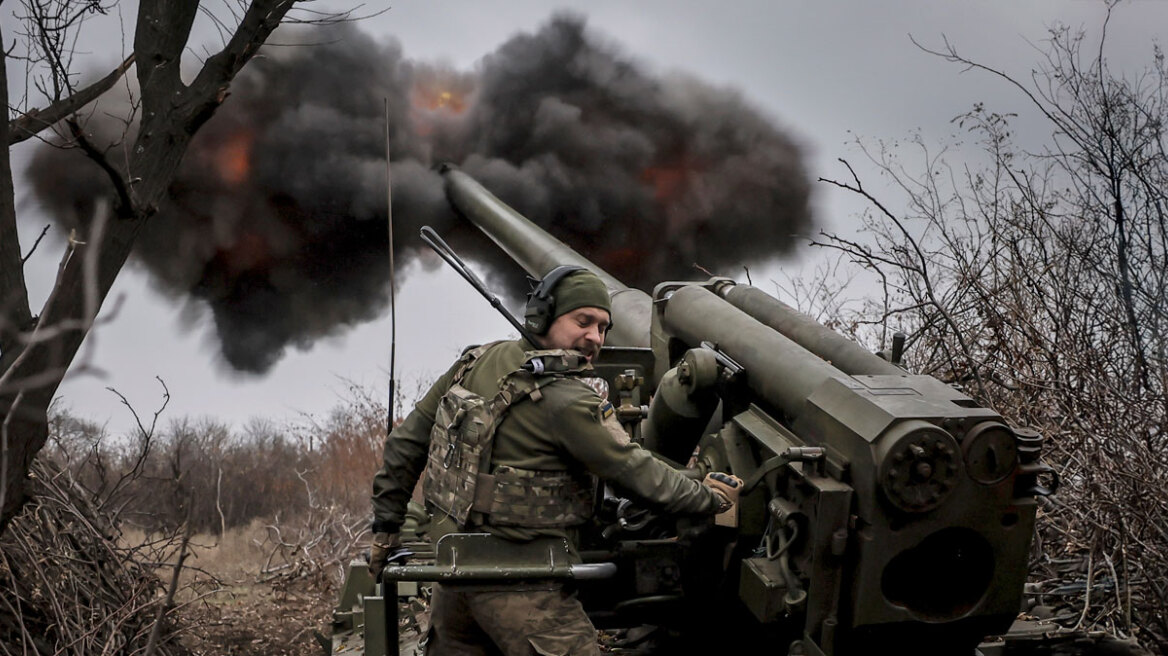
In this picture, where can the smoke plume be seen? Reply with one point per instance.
(277, 218)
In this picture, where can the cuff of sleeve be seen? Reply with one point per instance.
(724, 504)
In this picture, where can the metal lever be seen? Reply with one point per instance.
(793, 454)
(434, 241)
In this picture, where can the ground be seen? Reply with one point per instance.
(259, 620)
(232, 604)
(235, 599)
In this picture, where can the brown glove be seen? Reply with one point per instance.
(725, 486)
(383, 548)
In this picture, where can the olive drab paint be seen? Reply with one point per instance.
(880, 512)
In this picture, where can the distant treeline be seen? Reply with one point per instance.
(216, 477)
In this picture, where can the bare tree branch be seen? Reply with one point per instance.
(1044, 273)
(36, 243)
(171, 112)
(36, 120)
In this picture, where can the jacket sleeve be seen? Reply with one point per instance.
(404, 457)
(590, 433)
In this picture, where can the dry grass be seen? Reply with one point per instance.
(262, 586)
(227, 604)
(236, 556)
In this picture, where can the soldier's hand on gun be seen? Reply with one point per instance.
(386, 548)
(726, 486)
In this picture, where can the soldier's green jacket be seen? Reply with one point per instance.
(565, 430)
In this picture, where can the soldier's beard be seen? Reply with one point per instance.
(588, 351)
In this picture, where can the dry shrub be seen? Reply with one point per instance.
(85, 566)
(71, 585)
(203, 474)
(315, 548)
(1037, 284)
(349, 452)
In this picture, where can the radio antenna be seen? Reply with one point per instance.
(392, 310)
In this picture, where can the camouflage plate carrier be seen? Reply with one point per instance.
(459, 480)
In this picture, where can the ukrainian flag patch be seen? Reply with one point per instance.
(605, 410)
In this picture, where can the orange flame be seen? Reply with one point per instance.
(667, 183)
(233, 159)
(428, 102)
(436, 96)
(435, 100)
(671, 180)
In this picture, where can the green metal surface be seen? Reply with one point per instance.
(778, 369)
(885, 510)
(538, 252)
(479, 557)
(841, 352)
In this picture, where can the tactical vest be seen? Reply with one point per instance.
(459, 480)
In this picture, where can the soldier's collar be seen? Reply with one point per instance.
(555, 361)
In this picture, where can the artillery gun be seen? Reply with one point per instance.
(882, 511)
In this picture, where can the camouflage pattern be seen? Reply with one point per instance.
(520, 622)
(567, 430)
(598, 385)
(460, 452)
(558, 438)
(524, 497)
(463, 429)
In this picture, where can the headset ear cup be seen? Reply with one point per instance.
(535, 316)
(541, 303)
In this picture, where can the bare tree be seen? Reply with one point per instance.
(1037, 282)
(37, 349)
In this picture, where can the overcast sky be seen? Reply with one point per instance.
(825, 71)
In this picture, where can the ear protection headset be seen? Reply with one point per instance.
(541, 303)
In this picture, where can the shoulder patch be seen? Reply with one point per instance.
(606, 414)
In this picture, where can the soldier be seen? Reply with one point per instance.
(512, 435)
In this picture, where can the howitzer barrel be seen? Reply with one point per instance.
(538, 252)
(777, 369)
(841, 352)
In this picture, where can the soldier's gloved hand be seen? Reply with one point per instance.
(386, 548)
(726, 486)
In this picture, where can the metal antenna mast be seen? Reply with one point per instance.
(392, 309)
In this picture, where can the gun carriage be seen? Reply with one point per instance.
(881, 510)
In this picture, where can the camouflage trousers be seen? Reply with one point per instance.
(513, 622)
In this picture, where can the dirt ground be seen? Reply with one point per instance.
(226, 608)
(257, 620)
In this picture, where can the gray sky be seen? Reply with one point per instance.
(826, 71)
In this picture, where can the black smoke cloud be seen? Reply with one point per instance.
(277, 222)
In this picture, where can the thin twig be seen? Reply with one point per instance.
(152, 642)
(36, 243)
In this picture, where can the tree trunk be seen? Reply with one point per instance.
(19, 435)
(171, 113)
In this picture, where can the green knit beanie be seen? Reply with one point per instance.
(581, 289)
